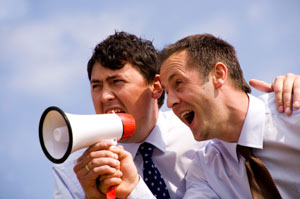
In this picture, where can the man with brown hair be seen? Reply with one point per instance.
(207, 91)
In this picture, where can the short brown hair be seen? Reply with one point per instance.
(204, 51)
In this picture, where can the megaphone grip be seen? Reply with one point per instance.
(128, 125)
(111, 193)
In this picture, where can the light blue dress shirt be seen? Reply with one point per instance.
(174, 150)
(219, 172)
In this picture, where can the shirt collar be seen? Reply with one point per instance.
(155, 138)
(252, 130)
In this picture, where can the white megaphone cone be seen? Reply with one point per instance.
(61, 133)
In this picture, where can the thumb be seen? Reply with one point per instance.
(119, 150)
(261, 85)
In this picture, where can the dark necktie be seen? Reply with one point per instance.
(152, 176)
(260, 180)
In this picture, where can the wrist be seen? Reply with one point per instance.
(132, 186)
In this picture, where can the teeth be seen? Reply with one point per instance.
(114, 111)
(184, 114)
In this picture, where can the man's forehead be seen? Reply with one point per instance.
(101, 73)
(173, 64)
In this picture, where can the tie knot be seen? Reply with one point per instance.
(246, 152)
(146, 150)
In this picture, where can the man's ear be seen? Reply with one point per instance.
(157, 89)
(219, 74)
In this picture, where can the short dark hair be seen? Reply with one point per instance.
(121, 48)
(204, 51)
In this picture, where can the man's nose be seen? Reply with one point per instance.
(172, 99)
(107, 94)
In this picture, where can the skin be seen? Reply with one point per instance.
(214, 115)
(283, 87)
(125, 90)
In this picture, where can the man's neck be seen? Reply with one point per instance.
(236, 105)
(144, 129)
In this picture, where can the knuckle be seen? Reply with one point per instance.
(289, 75)
(277, 89)
(287, 89)
(92, 155)
(279, 78)
(93, 163)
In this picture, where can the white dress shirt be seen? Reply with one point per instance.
(219, 172)
(174, 150)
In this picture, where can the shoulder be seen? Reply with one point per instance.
(271, 109)
(215, 151)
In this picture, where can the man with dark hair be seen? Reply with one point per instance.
(124, 77)
(207, 91)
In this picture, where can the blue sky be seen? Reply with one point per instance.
(45, 46)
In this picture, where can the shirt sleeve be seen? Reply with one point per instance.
(60, 189)
(141, 191)
(66, 184)
(197, 186)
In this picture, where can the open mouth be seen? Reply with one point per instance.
(188, 116)
(115, 110)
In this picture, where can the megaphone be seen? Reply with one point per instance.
(62, 133)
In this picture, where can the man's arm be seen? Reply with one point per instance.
(286, 89)
(66, 184)
(61, 190)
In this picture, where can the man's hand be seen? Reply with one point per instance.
(129, 179)
(286, 89)
(96, 161)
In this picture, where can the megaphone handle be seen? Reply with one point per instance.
(111, 193)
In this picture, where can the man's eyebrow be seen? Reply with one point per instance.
(94, 81)
(107, 79)
(112, 77)
(169, 80)
(171, 77)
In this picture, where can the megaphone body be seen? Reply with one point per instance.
(62, 133)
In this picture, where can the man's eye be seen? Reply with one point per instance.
(94, 86)
(118, 80)
(178, 82)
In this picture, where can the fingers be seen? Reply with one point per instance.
(103, 145)
(296, 89)
(97, 167)
(96, 161)
(117, 174)
(261, 85)
(287, 93)
(95, 155)
(278, 92)
(108, 183)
